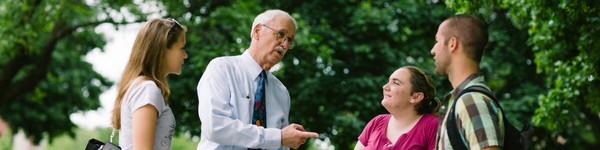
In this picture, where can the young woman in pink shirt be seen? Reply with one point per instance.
(409, 97)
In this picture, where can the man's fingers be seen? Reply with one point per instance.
(296, 146)
(300, 127)
(295, 126)
(306, 134)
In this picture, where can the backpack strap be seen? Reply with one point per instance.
(451, 125)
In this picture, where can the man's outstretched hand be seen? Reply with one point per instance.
(294, 136)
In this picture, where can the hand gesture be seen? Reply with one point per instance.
(294, 136)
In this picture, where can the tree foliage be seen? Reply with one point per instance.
(43, 76)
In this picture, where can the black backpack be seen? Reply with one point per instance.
(513, 138)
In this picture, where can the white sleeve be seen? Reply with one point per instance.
(215, 113)
(146, 92)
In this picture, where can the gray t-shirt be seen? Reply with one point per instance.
(140, 93)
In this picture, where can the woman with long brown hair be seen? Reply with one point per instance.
(141, 110)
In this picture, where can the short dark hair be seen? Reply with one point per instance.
(470, 31)
(422, 83)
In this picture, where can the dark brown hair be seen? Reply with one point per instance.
(422, 83)
(470, 31)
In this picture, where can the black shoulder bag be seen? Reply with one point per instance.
(94, 144)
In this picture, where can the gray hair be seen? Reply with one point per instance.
(268, 16)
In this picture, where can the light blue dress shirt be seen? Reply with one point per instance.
(226, 101)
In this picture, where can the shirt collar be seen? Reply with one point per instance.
(251, 66)
(472, 78)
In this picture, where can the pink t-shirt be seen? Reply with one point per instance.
(420, 137)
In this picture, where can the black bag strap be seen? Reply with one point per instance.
(451, 126)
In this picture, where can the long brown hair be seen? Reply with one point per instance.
(148, 59)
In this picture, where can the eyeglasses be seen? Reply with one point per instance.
(280, 35)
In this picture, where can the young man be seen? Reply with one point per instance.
(460, 41)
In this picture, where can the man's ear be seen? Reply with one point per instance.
(453, 43)
(416, 97)
(256, 30)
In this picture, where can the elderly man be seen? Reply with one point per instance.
(241, 104)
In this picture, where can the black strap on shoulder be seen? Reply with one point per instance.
(451, 124)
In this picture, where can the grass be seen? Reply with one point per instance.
(180, 142)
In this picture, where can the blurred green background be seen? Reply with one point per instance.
(542, 60)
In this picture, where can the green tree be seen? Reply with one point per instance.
(43, 77)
